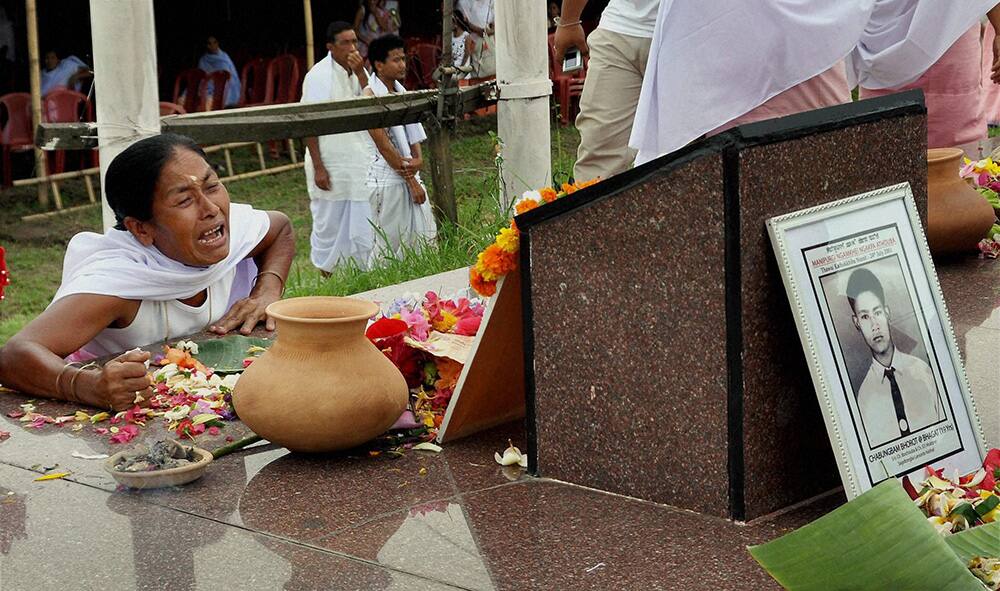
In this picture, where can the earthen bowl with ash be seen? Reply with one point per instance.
(164, 463)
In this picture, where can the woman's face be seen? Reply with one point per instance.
(190, 211)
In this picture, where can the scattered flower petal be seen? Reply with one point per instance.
(427, 446)
(54, 476)
(77, 454)
(511, 456)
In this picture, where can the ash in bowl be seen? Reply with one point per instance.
(161, 455)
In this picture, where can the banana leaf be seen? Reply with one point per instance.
(880, 540)
(983, 540)
(226, 354)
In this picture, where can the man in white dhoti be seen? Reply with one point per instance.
(713, 61)
(336, 165)
(400, 210)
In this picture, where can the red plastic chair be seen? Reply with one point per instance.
(167, 108)
(187, 89)
(253, 79)
(563, 83)
(282, 79)
(15, 129)
(411, 42)
(302, 69)
(428, 56)
(4, 274)
(219, 81)
(63, 106)
(282, 74)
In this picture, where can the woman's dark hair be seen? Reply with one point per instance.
(131, 179)
(336, 28)
(379, 48)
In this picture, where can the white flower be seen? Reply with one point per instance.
(511, 456)
(165, 373)
(177, 413)
(230, 381)
(535, 195)
(189, 346)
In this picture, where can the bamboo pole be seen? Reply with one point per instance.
(238, 177)
(229, 162)
(266, 171)
(229, 146)
(50, 214)
(260, 157)
(34, 70)
(310, 43)
(90, 188)
(59, 176)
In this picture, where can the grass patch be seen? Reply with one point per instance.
(35, 249)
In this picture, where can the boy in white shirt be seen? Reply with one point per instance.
(400, 210)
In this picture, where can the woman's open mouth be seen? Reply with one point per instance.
(213, 237)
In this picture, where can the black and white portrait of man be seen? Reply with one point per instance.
(897, 395)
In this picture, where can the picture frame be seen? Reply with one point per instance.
(873, 324)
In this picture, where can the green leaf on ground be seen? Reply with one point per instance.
(880, 540)
(226, 354)
(983, 540)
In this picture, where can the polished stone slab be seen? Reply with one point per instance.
(64, 535)
(661, 355)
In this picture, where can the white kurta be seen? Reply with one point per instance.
(399, 221)
(714, 60)
(340, 216)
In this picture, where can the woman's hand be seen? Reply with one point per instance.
(247, 312)
(119, 381)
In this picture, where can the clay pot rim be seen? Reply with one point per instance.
(936, 155)
(273, 310)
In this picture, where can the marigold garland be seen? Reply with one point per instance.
(500, 258)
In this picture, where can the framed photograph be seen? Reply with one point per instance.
(877, 337)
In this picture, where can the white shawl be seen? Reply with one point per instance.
(714, 60)
(116, 264)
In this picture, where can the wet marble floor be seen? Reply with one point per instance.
(266, 519)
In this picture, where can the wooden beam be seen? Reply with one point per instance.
(277, 122)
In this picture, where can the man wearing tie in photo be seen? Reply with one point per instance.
(897, 396)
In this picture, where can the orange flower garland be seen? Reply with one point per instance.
(500, 258)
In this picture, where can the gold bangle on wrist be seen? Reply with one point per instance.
(59, 378)
(280, 278)
(72, 386)
(72, 382)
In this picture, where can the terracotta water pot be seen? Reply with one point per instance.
(958, 217)
(322, 386)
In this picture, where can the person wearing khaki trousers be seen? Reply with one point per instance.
(618, 49)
